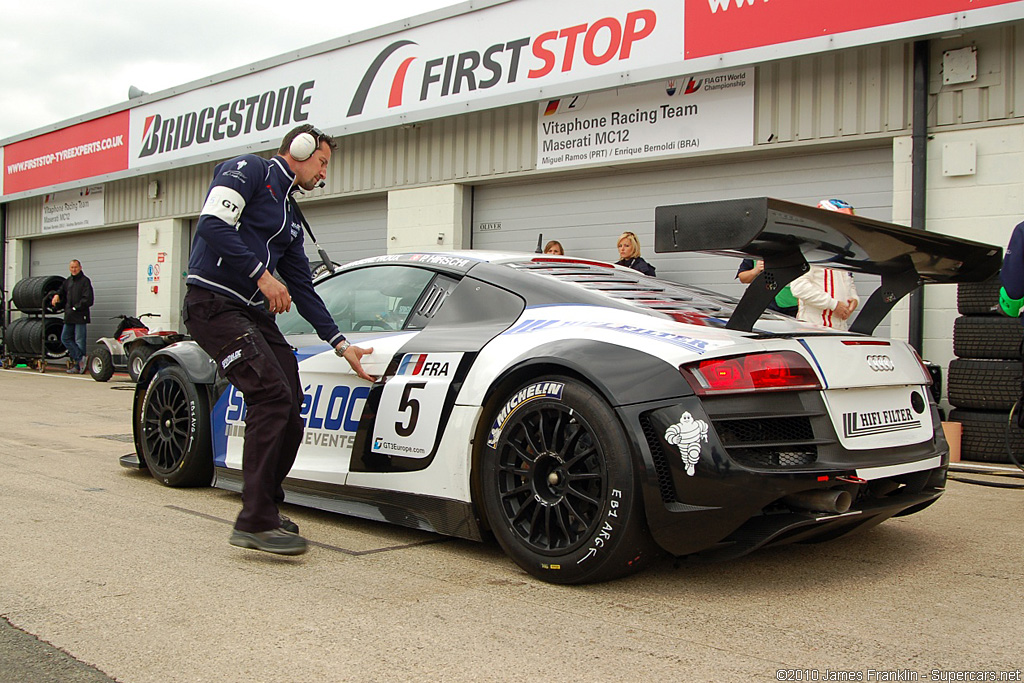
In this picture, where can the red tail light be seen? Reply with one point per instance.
(774, 371)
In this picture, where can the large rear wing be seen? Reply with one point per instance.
(790, 236)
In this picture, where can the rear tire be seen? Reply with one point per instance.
(137, 358)
(174, 423)
(559, 485)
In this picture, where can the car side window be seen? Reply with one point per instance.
(371, 299)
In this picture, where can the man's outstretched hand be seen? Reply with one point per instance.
(354, 355)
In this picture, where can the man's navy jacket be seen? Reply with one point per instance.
(247, 227)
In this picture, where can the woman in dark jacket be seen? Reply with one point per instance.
(629, 254)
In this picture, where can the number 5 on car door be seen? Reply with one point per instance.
(410, 408)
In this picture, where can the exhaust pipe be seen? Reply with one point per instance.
(833, 500)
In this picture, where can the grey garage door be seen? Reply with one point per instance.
(587, 214)
(348, 230)
(109, 258)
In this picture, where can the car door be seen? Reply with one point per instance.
(374, 307)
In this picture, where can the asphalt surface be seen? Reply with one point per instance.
(104, 573)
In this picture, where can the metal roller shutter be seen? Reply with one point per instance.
(587, 214)
(109, 258)
(348, 231)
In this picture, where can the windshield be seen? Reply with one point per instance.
(377, 298)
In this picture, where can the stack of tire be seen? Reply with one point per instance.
(985, 378)
(30, 334)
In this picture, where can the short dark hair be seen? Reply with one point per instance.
(320, 136)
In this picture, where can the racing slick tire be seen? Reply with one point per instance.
(52, 329)
(137, 358)
(101, 364)
(33, 294)
(174, 422)
(559, 485)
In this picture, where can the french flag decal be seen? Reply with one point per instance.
(412, 364)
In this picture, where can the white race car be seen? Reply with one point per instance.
(588, 416)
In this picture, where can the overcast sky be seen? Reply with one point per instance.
(64, 58)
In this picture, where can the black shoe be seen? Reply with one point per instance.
(288, 525)
(276, 541)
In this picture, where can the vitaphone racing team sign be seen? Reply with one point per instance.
(495, 56)
(677, 116)
(73, 209)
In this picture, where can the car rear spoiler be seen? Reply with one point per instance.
(789, 236)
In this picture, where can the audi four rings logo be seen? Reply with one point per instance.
(881, 363)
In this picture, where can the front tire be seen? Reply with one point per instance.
(174, 423)
(559, 485)
(101, 364)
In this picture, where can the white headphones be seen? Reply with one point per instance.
(304, 144)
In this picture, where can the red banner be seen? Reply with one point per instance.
(81, 151)
(714, 27)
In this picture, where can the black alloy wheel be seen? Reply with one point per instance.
(559, 486)
(175, 430)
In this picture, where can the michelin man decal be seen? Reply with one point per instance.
(687, 435)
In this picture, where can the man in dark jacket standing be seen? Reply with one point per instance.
(249, 228)
(75, 294)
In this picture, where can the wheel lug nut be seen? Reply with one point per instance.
(553, 478)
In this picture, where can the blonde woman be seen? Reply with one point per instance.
(629, 254)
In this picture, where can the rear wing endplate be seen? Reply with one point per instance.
(788, 237)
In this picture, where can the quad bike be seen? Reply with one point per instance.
(130, 347)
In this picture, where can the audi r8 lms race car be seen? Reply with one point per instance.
(590, 417)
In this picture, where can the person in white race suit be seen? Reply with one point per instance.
(827, 296)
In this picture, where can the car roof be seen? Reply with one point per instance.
(546, 279)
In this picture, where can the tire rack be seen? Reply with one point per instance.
(11, 357)
(984, 380)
